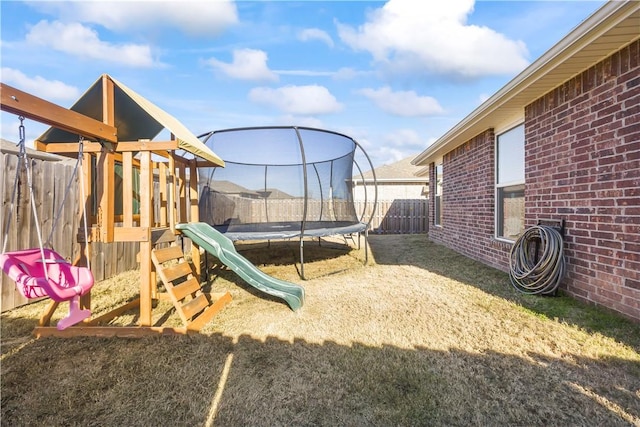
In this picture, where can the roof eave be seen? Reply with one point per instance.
(584, 34)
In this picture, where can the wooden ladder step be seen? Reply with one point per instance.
(186, 288)
(167, 254)
(180, 282)
(177, 271)
(219, 300)
(195, 306)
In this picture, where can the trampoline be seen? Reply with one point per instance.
(283, 182)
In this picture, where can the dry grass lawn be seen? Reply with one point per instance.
(421, 336)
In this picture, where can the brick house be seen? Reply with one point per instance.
(561, 141)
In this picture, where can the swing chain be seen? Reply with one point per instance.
(16, 183)
(21, 132)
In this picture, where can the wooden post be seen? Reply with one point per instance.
(85, 245)
(106, 166)
(162, 170)
(146, 186)
(172, 194)
(182, 186)
(105, 185)
(127, 189)
(194, 213)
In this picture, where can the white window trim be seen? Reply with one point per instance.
(495, 215)
(497, 186)
(436, 217)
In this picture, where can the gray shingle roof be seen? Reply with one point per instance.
(402, 169)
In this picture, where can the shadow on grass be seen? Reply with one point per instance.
(419, 251)
(207, 380)
(287, 252)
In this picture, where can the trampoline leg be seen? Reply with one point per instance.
(366, 246)
(302, 259)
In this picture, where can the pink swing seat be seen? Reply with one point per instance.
(65, 282)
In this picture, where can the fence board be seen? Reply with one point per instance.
(400, 216)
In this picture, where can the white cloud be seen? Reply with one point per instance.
(347, 73)
(46, 89)
(78, 40)
(191, 17)
(315, 34)
(305, 73)
(409, 37)
(390, 147)
(407, 139)
(387, 155)
(343, 73)
(298, 100)
(292, 120)
(402, 103)
(247, 64)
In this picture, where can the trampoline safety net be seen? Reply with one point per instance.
(279, 182)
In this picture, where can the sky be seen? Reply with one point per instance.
(394, 75)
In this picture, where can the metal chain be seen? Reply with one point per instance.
(21, 130)
(16, 181)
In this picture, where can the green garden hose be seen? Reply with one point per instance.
(537, 261)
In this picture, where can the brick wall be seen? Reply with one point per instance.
(468, 202)
(583, 165)
(582, 155)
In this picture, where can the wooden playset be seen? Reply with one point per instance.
(112, 125)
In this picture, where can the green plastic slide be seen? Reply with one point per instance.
(214, 242)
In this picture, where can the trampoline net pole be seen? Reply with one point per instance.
(302, 258)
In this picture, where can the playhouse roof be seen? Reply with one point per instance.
(135, 119)
(609, 29)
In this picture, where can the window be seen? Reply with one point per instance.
(510, 183)
(438, 200)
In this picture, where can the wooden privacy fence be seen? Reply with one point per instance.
(50, 180)
(218, 208)
(399, 216)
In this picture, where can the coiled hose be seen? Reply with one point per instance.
(537, 261)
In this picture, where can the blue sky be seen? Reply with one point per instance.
(393, 75)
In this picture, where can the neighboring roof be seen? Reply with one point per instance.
(228, 187)
(401, 171)
(274, 193)
(135, 118)
(613, 26)
(10, 147)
